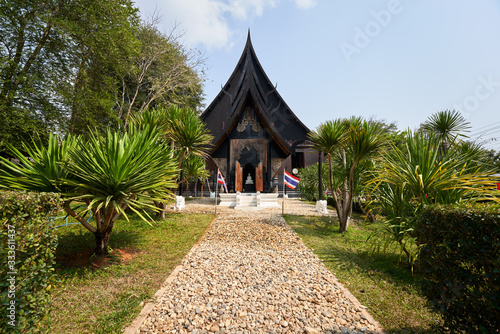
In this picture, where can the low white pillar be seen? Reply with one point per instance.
(180, 203)
(321, 206)
(212, 194)
(238, 198)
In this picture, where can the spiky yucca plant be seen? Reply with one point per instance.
(41, 167)
(418, 173)
(110, 173)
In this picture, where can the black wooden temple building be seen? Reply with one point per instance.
(256, 134)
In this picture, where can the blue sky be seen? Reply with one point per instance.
(394, 60)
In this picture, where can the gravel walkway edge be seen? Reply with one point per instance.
(211, 232)
(135, 325)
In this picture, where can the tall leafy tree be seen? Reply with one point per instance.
(164, 72)
(104, 31)
(56, 61)
(493, 157)
(32, 57)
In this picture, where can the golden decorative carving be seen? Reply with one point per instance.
(275, 165)
(248, 120)
(238, 145)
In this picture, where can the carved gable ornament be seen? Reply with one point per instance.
(248, 120)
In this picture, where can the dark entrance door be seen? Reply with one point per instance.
(249, 178)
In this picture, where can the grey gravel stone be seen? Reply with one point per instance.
(251, 273)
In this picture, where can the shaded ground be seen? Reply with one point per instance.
(85, 259)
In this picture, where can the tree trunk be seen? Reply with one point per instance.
(369, 214)
(332, 190)
(102, 241)
(348, 195)
(162, 208)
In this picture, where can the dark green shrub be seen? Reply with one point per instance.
(27, 259)
(308, 185)
(460, 264)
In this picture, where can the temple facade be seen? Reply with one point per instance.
(256, 134)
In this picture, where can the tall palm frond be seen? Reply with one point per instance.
(328, 137)
(447, 126)
(194, 167)
(181, 128)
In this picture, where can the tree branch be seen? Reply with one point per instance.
(73, 214)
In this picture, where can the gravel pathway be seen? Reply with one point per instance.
(251, 273)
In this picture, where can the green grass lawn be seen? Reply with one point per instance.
(104, 296)
(382, 282)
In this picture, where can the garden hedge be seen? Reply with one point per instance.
(27, 259)
(459, 262)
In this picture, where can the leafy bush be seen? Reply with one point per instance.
(417, 172)
(27, 259)
(460, 264)
(308, 185)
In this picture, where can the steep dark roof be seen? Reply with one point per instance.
(249, 84)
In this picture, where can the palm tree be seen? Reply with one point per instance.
(194, 168)
(110, 174)
(46, 169)
(365, 139)
(329, 138)
(354, 140)
(182, 130)
(446, 126)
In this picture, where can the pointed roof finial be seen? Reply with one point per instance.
(248, 36)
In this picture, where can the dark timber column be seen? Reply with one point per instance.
(269, 162)
(228, 169)
(238, 177)
(258, 178)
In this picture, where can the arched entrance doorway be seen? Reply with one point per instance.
(249, 178)
(248, 171)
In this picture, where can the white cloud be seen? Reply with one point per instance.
(206, 21)
(242, 9)
(305, 4)
(202, 20)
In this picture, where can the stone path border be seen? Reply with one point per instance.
(266, 281)
(137, 322)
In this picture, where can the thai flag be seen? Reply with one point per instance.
(290, 180)
(498, 185)
(326, 191)
(220, 179)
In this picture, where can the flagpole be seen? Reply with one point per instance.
(283, 192)
(216, 186)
